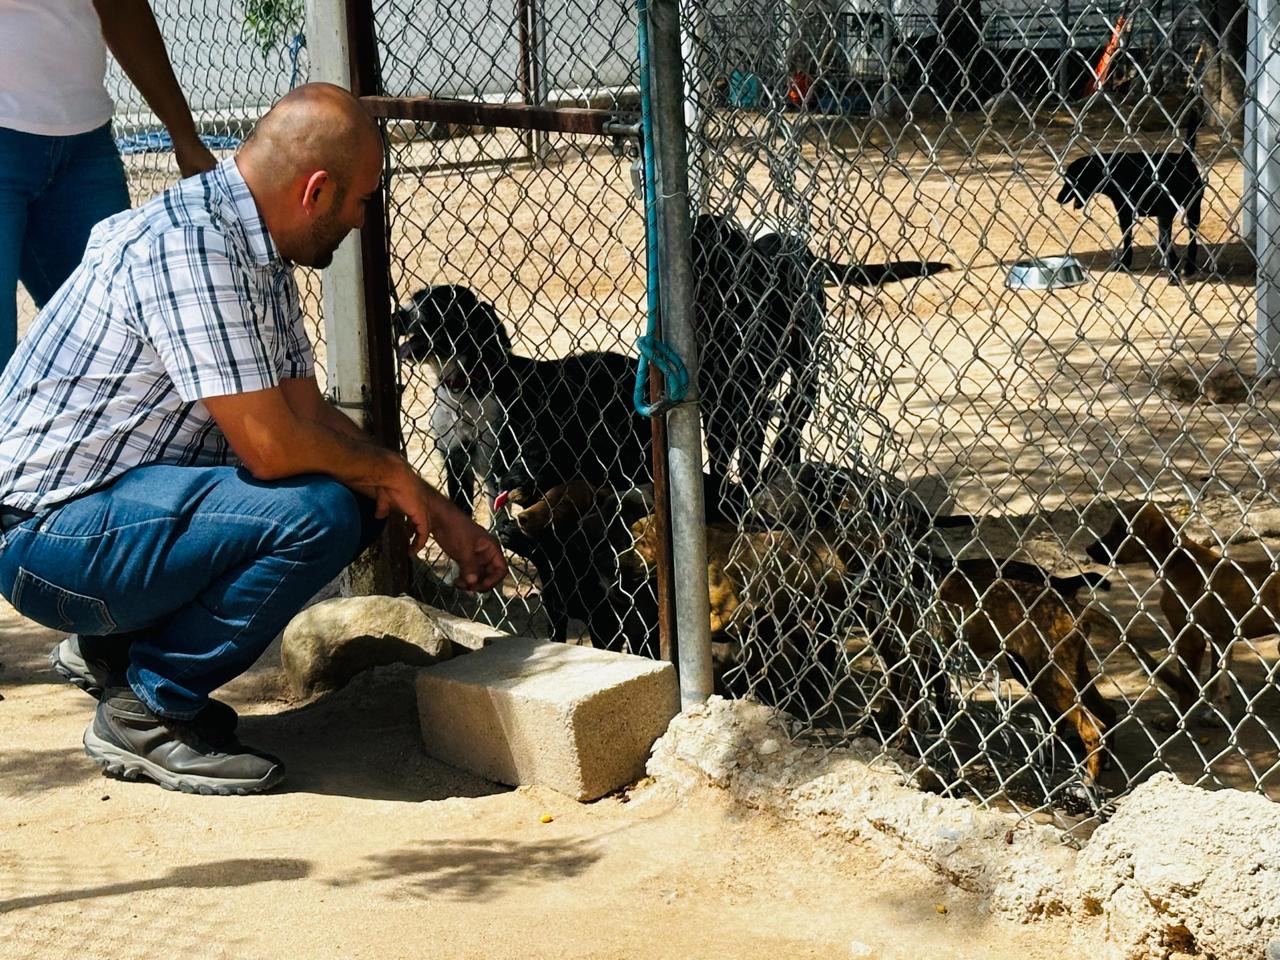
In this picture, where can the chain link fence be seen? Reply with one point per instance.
(1058, 436)
(1010, 514)
(517, 258)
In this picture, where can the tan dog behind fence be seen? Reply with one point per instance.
(1041, 639)
(1027, 630)
(1209, 600)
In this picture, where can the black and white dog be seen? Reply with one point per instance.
(571, 418)
(1141, 184)
(760, 308)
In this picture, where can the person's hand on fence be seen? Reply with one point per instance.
(193, 156)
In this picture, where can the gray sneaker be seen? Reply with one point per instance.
(78, 660)
(131, 742)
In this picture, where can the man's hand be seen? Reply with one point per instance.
(480, 561)
(193, 156)
(130, 30)
(403, 491)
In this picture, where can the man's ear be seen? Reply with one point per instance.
(313, 191)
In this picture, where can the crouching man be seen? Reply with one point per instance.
(173, 486)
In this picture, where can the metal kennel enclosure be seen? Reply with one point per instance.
(1042, 416)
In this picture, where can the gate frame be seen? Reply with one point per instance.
(363, 288)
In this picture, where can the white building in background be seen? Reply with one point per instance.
(445, 48)
(459, 48)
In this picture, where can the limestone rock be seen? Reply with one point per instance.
(1182, 869)
(327, 644)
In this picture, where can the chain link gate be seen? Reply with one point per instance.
(516, 266)
(926, 476)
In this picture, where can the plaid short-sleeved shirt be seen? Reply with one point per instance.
(183, 298)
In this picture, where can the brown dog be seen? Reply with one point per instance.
(1209, 600)
(1041, 639)
(1027, 629)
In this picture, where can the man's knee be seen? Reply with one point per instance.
(325, 512)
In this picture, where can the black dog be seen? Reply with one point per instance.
(573, 416)
(573, 534)
(1145, 185)
(759, 308)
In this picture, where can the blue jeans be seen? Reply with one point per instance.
(52, 192)
(195, 569)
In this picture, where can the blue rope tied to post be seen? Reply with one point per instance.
(652, 349)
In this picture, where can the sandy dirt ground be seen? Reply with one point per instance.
(371, 850)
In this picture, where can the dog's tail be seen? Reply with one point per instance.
(875, 274)
(1168, 671)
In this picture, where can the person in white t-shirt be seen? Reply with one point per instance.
(60, 171)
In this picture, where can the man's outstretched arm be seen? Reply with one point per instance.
(273, 442)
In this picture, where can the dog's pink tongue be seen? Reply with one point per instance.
(501, 499)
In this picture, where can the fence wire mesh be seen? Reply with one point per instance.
(1025, 535)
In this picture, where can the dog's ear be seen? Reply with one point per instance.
(499, 328)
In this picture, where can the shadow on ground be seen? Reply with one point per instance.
(202, 876)
(361, 741)
(478, 869)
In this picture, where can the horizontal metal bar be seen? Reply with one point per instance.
(449, 166)
(622, 128)
(517, 116)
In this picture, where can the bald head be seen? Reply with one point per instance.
(317, 126)
(311, 162)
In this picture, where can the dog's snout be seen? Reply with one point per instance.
(1069, 194)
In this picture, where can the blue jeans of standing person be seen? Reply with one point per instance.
(195, 569)
(52, 192)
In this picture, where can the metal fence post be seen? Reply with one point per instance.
(350, 324)
(1249, 200)
(347, 361)
(695, 89)
(1267, 186)
(684, 427)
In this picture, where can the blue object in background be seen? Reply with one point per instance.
(159, 141)
(745, 89)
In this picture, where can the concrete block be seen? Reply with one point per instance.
(463, 632)
(521, 711)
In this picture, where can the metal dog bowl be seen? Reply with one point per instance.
(1045, 273)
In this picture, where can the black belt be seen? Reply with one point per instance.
(10, 517)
